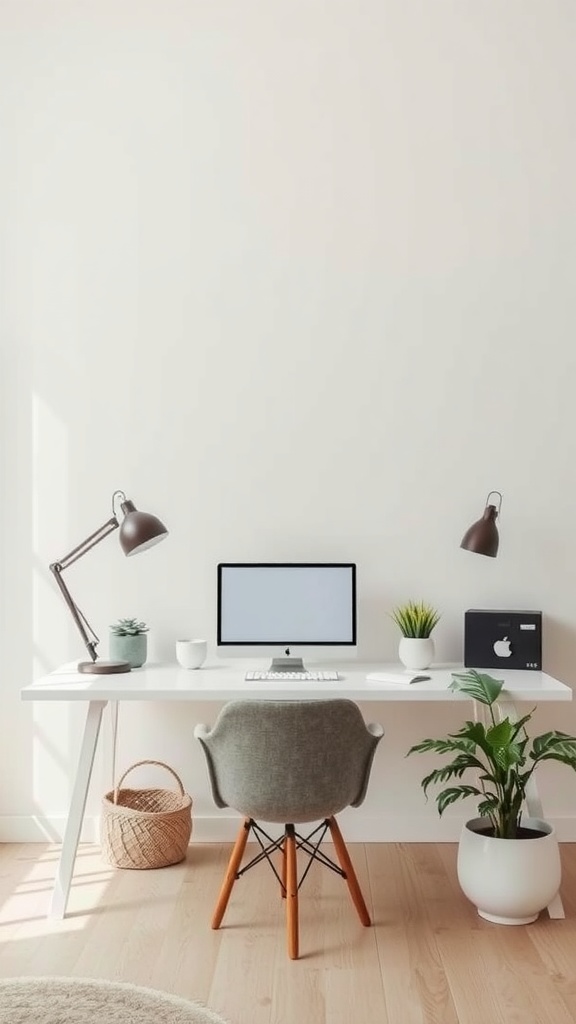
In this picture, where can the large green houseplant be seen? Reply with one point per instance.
(500, 753)
(509, 882)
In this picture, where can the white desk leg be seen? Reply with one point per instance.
(113, 705)
(533, 803)
(77, 807)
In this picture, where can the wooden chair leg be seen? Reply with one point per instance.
(283, 874)
(346, 865)
(231, 871)
(291, 893)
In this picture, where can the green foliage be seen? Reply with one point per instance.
(500, 755)
(129, 627)
(415, 618)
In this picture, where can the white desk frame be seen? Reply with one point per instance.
(225, 681)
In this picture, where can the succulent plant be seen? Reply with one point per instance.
(129, 627)
(415, 618)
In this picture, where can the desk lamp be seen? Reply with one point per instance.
(138, 531)
(482, 536)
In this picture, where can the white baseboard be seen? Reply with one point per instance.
(39, 829)
(356, 828)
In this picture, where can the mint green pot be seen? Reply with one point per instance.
(129, 648)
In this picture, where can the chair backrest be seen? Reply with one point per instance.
(289, 761)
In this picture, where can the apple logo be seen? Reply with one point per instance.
(502, 648)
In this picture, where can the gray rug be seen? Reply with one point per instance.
(91, 1001)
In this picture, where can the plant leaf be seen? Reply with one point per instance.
(454, 793)
(477, 685)
(415, 619)
(442, 746)
(554, 744)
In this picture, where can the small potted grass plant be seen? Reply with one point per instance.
(128, 641)
(508, 863)
(416, 620)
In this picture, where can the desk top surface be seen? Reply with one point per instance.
(223, 681)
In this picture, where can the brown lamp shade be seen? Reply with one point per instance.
(139, 530)
(482, 537)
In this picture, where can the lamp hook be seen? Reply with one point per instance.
(114, 496)
(499, 503)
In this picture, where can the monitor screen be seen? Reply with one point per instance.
(286, 604)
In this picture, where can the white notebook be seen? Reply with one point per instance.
(397, 678)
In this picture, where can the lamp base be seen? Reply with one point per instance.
(103, 668)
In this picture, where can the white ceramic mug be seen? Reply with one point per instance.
(191, 653)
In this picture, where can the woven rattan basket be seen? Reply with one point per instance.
(145, 828)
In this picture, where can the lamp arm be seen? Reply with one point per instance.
(109, 526)
(57, 568)
(81, 623)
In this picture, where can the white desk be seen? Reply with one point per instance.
(225, 681)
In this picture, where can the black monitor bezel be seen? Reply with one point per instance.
(288, 642)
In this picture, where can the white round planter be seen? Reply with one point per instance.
(416, 652)
(509, 880)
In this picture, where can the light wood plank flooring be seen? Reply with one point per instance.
(428, 959)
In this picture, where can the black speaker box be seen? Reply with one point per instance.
(502, 639)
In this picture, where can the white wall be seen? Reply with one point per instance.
(298, 277)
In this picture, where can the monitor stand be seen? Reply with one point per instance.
(287, 665)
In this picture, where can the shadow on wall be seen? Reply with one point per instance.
(558, 646)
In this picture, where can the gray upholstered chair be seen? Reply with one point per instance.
(289, 762)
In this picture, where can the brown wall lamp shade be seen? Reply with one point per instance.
(138, 531)
(482, 537)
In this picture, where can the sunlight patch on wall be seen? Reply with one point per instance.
(54, 746)
(50, 508)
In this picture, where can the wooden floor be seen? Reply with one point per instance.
(427, 958)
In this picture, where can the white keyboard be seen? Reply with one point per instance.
(301, 676)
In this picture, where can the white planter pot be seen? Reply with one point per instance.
(416, 652)
(509, 880)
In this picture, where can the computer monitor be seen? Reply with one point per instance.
(286, 610)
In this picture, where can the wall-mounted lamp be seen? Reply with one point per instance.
(482, 536)
(138, 531)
